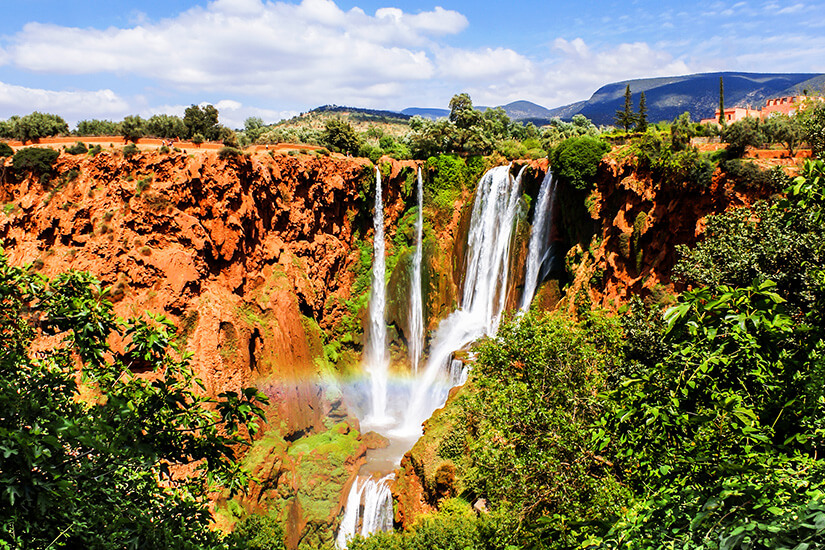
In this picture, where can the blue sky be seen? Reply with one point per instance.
(84, 59)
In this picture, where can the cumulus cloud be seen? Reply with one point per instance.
(71, 105)
(483, 64)
(312, 51)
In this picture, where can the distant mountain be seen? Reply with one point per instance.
(698, 94)
(432, 114)
(518, 110)
(372, 113)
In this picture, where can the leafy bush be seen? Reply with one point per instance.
(132, 128)
(5, 150)
(78, 148)
(340, 136)
(259, 533)
(96, 127)
(229, 153)
(86, 460)
(813, 121)
(741, 134)
(576, 160)
(36, 160)
(37, 125)
(130, 150)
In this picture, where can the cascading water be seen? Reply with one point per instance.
(416, 313)
(369, 505)
(377, 363)
(538, 247)
(491, 233)
(485, 287)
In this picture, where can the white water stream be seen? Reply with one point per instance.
(539, 235)
(416, 311)
(377, 361)
(482, 301)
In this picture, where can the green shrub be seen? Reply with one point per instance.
(259, 533)
(741, 134)
(130, 150)
(35, 160)
(78, 148)
(577, 159)
(94, 151)
(5, 150)
(229, 153)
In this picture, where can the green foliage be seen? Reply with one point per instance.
(741, 134)
(253, 128)
(132, 128)
(576, 160)
(784, 129)
(78, 148)
(165, 126)
(259, 533)
(340, 136)
(680, 132)
(130, 150)
(36, 125)
(203, 121)
(86, 460)
(229, 153)
(449, 174)
(95, 127)
(531, 417)
(783, 242)
(641, 118)
(813, 121)
(5, 150)
(35, 160)
(625, 118)
(454, 527)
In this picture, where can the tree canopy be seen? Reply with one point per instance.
(89, 461)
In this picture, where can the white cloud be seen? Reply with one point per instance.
(483, 64)
(308, 52)
(71, 105)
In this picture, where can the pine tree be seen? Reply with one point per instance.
(721, 102)
(641, 118)
(625, 117)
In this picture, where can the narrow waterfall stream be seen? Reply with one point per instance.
(490, 237)
(539, 235)
(416, 314)
(485, 284)
(377, 361)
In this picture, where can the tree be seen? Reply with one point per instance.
(253, 128)
(722, 121)
(641, 119)
(88, 461)
(95, 127)
(813, 120)
(625, 117)
(36, 125)
(462, 113)
(340, 136)
(132, 128)
(784, 129)
(35, 160)
(201, 120)
(165, 126)
(741, 134)
(576, 160)
(681, 131)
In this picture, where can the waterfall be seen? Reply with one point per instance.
(368, 503)
(490, 236)
(377, 362)
(540, 232)
(416, 312)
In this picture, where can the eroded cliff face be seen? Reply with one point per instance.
(254, 258)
